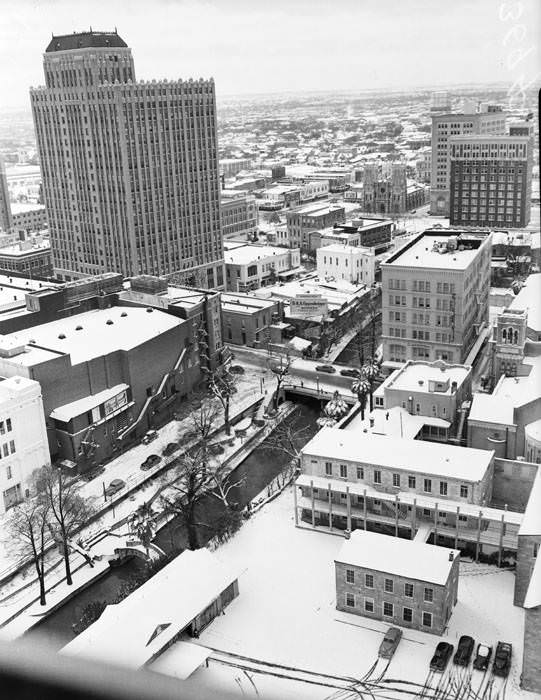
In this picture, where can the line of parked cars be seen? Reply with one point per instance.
(481, 661)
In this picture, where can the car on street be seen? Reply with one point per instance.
(502, 659)
(464, 650)
(349, 372)
(326, 368)
(388, 646)
(114, 486)
(482, 656)
(149, 436)
(150, 461)
(170, 448)
(441, 656)
(93, 473)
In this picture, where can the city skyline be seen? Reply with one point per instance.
(256, 50)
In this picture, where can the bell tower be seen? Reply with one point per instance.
(509, 338)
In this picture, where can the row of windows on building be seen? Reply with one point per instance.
(367, 580)
(388, 610)
(398, 480)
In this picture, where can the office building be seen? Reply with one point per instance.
(435, 297)
(345, 262)
(368, 233)
(444, 127)
(23, 437)
(239, 214)
(404, 583)
(130, 169)
(491, 181)
(28, 217)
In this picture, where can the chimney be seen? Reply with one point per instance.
(451, 555)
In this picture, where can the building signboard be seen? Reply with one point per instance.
(308, 306)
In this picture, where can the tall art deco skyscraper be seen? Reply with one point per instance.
(130, 169)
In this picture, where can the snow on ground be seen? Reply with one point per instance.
(285, 614)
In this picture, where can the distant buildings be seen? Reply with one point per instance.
(130, 175)
(31, 258)
(435, 297)
(239, 214)
(28, 217)
(311, 217)
(344, 262)
(229, 167)
(391, 194)
(410, 584)
(444, 127)
(249, 267)
(23, 437)
(423, 165)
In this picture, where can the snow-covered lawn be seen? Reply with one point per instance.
(285, 614)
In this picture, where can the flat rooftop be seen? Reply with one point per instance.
(130, 327)
(420, 253)
(317, 209)
(22, 248)
(463, 463)
(246, 254)
(397, 556)
(25, 207)
(337, 293)
(427, 377)
(529, 299)
(342, 248)
(245, 303)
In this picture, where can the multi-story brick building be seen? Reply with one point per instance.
(490, 180)
(239, 214)
(130, 169)
(444, 127)
(31, 257)
(435, 297)
(249, 267)
(248, 320)
(405, 583)
(311, 217)
(366, 233)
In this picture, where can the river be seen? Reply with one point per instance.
(255, 472)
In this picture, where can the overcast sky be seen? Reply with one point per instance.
(252, 46)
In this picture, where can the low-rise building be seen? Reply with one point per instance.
(366, 233)
(31, 257)
(229, 167)
(23, 437)
(311, 217)
(239, 214)
(249, 267)
(405, 583)
(344, 262)
(248, 320)
(28, 217)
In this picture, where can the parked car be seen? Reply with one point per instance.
(326, 368)
(114, 486)
(170, 448)
(237, 369)
(441, 656)
(464, 650)
(502, 659)
(482, 657)
(150, 461)
(93, 473)
(349, 372)
(149, 436)
(388, 646)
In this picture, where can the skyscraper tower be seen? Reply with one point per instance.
(130, 169)
(6, 221)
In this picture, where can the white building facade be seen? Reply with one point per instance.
(344, 262)
(23, 438)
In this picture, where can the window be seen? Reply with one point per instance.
(369, 580)
(535, 547)
(360, 472)
(344, 471)
(408, 590)
(350, 600)
(407, 614)
(8, 424)
(8, 473)
(2, 428)
(443, 488)
(396, 479)
(429, 595)
(388, 585)
(428, 485)
(369, 605)
(328, 468)
(377, 476)
(463, 491)
(388, 609)
(350, 576)
(427, 619)
(6, 449)
(412, 482)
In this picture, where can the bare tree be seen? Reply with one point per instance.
(281, 371)
(27, 529)
(222, 385)
(142, 524)
(68, 511)
(289, 439)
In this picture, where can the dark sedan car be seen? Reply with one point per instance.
(502, 659)
(464, 650)
(150, 461)
(114, 486)
(326, 368)
(390, 642)
(441, 656)
(482, 657)
(349, 372)
(170, 448)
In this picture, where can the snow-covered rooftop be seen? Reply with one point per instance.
(531, 521)
(421, 255)
(247, 254)
(429, 377)
(394, 555)
(529, 299)
(76, 408)
(394, 422)
(464, 463)
(95, 338)
(136, 630)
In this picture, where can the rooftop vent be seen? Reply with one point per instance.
(109, 322)
(62, 336)
(123, 314)
(149, 310)
(451, 555)
(78, 328)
